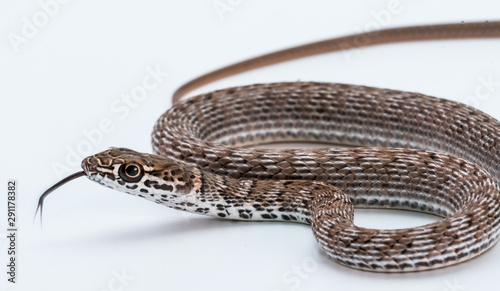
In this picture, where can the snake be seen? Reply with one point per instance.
(398, 150)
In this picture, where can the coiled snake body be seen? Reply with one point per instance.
(418, 153)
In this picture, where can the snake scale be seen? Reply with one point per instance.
(411, 151)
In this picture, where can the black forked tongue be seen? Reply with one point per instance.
(54, 187)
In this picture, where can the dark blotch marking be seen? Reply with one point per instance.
(164, 187)
(269, 216)
(149, 183)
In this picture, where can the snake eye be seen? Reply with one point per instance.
(131, 172)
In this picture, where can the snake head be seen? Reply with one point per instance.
(146, 175)
(159, 179)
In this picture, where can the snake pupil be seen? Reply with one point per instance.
(132, 171)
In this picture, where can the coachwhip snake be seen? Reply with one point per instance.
(413, 152)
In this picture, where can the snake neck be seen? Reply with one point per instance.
(224, 197)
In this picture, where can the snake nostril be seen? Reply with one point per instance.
(87, 166)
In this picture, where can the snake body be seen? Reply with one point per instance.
(467, 196)
(411, 151)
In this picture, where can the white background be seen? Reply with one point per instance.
(68, 73)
